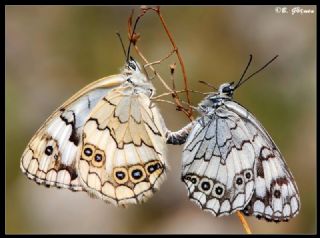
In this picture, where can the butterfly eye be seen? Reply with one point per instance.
(120, 175)
(151, 91)
(226, 89)
(132, 66)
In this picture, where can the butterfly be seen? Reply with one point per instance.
(108, 140)
(230, 163)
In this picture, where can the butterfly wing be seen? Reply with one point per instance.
(123, 148)
(275, 195)
(49, 158)
(218, 160)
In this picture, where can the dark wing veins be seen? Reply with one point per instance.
(74, 137)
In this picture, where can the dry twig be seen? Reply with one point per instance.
(134, 37)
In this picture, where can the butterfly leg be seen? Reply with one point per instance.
(179, 137)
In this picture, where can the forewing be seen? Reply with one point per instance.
(123, 152)
(218, 161)
(49, 158)
(275, 195)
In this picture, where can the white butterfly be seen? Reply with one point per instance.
(108, 139)
(230, 163)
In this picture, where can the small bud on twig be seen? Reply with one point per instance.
(179, 108)
(135, 38)
(172, 67)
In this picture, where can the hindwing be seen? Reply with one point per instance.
(231, 163)
(218, 160)
(123, 157)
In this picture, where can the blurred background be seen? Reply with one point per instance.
(54, 51)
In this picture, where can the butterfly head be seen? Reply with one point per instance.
(136, 79)
(226, 90)
(131, 67)
(132, 71)
(216, 99)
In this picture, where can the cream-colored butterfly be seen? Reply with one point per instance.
(108, 140)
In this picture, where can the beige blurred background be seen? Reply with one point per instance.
(53, 51)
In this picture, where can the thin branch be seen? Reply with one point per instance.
(157, 10)
(166, 101)
(244, 223)
(175, 48)
(176, 98)
(179, 91)
(159, 61)
(179, 57)
(174, 93)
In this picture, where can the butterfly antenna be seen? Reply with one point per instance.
(250, 76)
(208, 84)
(244, 72)
(133, 31)
(124, 50)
